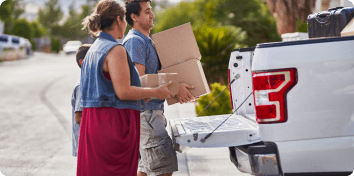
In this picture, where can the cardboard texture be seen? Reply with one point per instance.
(176, 45)
(348, 30)
(154, 80)
(189, 72)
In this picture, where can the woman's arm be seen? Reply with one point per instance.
(116, 64)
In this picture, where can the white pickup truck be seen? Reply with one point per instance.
(299, 119)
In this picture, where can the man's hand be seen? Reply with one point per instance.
(184, 95)
(147, 99)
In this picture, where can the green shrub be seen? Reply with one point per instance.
(55, 44)
(33, 45)
(221, 105)
(300, 26)
(23, 29)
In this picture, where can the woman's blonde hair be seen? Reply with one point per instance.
(103, 16)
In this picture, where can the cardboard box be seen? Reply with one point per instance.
(154, 80)
(349, 29)
(176, 45)
(189, 72)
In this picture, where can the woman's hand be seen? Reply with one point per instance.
(162, 91)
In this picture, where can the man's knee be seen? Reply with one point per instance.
(141, 174)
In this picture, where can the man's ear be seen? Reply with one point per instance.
(133, 16)
(80, 61)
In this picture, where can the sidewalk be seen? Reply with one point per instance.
(200, 161)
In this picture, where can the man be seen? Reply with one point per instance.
(157, 154)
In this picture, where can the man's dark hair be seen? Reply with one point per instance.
(133, 6)
(81, 53)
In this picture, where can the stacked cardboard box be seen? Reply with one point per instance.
(154, 80)
(179, 53)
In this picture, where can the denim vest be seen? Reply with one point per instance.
(96, 89)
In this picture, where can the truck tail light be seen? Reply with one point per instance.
(232, 105)
(270, 89)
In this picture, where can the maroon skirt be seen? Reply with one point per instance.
(108, 142)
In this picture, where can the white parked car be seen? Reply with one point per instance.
(10, 41)
(12, 47)
(71, 46)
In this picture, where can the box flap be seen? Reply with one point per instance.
(176, 45)
(236, 131)
(349, 29)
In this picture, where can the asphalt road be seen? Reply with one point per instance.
(35, 128)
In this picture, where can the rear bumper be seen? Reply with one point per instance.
(257, 159)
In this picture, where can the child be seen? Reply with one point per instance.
(75, 100)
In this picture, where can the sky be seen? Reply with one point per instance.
(66, 3)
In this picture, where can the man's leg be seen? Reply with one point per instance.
(169, 174)
(141, 174)
(157, 154)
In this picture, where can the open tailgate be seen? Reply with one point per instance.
(236, 131)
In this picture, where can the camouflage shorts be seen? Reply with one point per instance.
(156, 150)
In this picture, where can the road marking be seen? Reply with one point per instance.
(61, 118)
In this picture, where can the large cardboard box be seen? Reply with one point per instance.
(349, 29)
(176, 45)
(189, 72)
(154, 80)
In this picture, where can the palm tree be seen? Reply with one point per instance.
(215, 45)
(286, 13)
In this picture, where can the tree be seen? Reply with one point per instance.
(9, 13)
(50, 15)
(39, 31)
(215, 45)
(16, 10)
(5, 11)
(252, 16)
(71, 29)
(215, 41)
(23, 29)
(177, 15)
(287, 13)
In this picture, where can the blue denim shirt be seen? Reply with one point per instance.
(96, 90)
(141, 50)
(75, 103)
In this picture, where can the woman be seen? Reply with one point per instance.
(111, 98)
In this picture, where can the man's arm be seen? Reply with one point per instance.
(140, 68)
